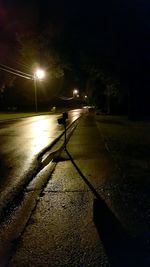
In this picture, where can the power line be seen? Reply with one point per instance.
(16, 72)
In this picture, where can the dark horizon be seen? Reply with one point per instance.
(113, 36)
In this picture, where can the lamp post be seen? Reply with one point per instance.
(38, 75)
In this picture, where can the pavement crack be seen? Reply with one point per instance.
(66, 191)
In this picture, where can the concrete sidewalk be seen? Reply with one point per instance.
(76, 222)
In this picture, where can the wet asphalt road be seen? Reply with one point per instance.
(21, 140)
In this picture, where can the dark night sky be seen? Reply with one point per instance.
(115, 31)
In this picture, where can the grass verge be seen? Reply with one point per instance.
(9, 116)
(128, 142)
(129, 145)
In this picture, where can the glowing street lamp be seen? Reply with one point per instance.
(75, 92)
(39, 74)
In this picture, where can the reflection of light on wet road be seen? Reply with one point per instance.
(42, 132)
(74, 114)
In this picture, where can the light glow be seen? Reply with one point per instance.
(39, 74)
(75, 91)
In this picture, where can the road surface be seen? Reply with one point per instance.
(20, 141)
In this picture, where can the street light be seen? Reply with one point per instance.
(39, 74)
(75, 92)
